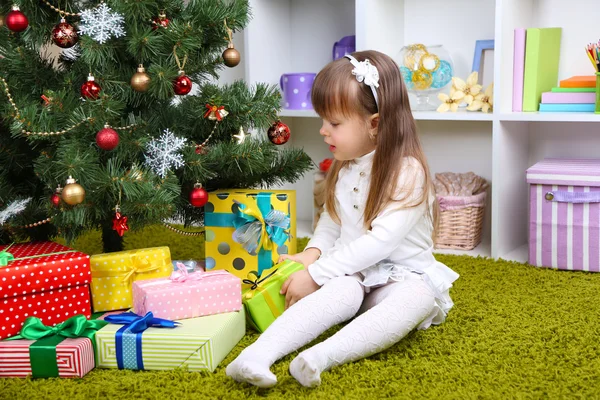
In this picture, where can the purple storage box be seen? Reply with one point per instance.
(296, 90)
(345, 45)
(564, 217)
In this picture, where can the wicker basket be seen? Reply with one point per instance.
(461, 221)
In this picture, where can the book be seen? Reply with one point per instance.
(573, 90)
(542, 54)
(567, 107)
(518, 69)
(568, 98)
(579, 81)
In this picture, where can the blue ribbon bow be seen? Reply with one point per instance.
(257, 227)
(128, 339)
(249, 234)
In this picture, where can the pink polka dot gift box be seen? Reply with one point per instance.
(188, 295)
(45, 280)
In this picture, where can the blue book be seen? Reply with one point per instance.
(557, 107)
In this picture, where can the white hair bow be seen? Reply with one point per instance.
(367, 73)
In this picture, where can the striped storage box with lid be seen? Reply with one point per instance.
(564, 217)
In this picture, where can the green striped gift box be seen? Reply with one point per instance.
(199, 344)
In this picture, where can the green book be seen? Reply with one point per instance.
(573, 90)
(542, 55)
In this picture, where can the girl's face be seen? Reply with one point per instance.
(348, 138)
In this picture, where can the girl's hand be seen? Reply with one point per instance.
(299, 285)
(305, 258)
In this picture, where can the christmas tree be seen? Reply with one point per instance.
(106, 136)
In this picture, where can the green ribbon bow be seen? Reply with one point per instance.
(5, 257)
(43, 352)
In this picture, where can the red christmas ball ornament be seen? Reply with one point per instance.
(15, 20)
(90, 89)
(107, 138)
(160, 22)
(182, 85)
(55, 199)
(279, 133)
(198, 196)
(64, 35)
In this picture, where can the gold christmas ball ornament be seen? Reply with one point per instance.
(73, 193)
(1, 20)
(140, 81)
(231, 56)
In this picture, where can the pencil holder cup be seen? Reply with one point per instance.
(597, 108)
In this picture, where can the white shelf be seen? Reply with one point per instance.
(550, 117)
(460, 115)
(498, 146)
(520, 254)
(483, 250)
(298, 113)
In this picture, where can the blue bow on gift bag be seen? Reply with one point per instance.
(128, 339)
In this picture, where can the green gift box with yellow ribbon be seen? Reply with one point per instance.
(65, 350)
(248, 229)
(114, 273)
(262, 301)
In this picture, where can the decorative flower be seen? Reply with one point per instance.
(366, 72)
(325, 164)
(483, 101)
(469, 89)
(450, 102)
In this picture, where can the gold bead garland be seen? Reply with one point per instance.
(179, 231)
(61, 12)
(53, 133)
(35, 224)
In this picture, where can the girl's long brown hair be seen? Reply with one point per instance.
(336, 90)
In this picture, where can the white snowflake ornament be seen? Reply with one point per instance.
(163, 153)
(101, 23)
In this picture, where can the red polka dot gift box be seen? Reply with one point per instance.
(45, 280)
(188, 295)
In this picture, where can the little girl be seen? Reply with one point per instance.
(371, 253)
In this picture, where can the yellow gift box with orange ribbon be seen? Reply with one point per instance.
(247, 230)
(114, 273)
(262, 301)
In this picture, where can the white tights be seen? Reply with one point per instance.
(393, 311)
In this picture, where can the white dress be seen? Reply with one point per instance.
(397, 247)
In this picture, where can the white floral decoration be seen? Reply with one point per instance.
(366, 72)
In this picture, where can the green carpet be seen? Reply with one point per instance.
(515, 332)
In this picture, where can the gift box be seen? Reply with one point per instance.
(247, 230)
(262, 301)
(66, 351)
(114, 273)
(564, 214)
(199, 344)
(185, 295)
(44, 279)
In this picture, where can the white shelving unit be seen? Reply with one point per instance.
(287, 36)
